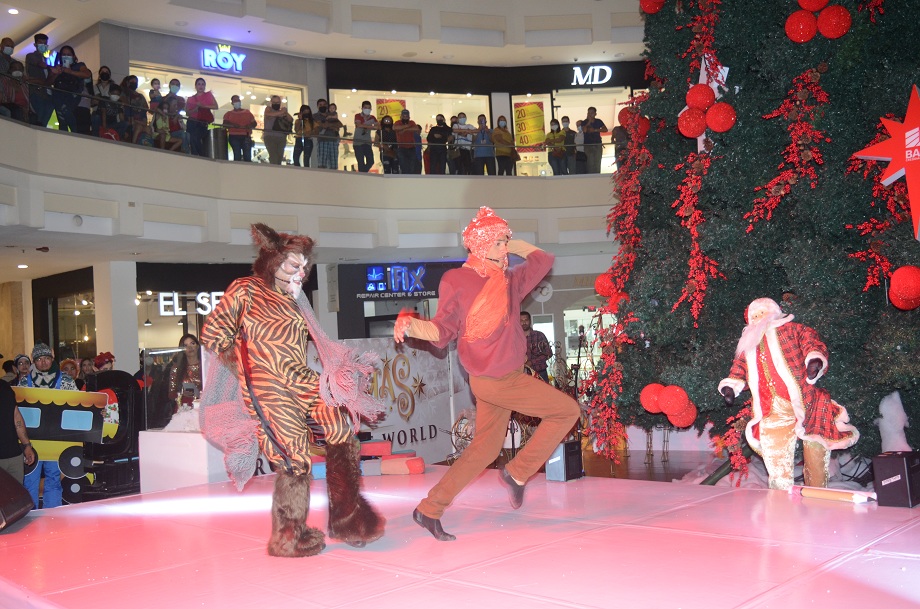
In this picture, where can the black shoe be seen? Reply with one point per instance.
(515, 490)
(433, 525)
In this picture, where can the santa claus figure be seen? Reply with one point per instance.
(780, 361)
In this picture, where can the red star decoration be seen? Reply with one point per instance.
(902, 150)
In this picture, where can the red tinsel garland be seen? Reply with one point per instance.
(731, 441)
(873, 6)
(702, 45)
(701, 266)
(893, 198)
(802, 154)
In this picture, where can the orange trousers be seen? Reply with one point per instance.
(496, 399)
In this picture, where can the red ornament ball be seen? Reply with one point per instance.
(645, 126)
(651, 6)
(684, 418)
(721, 117)
(801, 26)
(616, 299)
(904, 292)
(673, 400)
(692, 123)
(701, 96)
(603, 285)
(834, 21)
(648, 397)
(626, 116)
(813, 5)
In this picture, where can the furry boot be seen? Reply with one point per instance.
(351, 517)
(291, 536)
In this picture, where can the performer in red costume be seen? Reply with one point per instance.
(781, 361)
(261, 326)
(479, 306)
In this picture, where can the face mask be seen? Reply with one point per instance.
(7, 50)
(387, 126)
(366, 111)
(66, 61)
(565, 124)
(174, 89)
(554, 127)
(502, 123)
(322, 108)
(579, 130)
(114, 96)
(105, 76)
(16, 74)
(42, 48)
(237, 105)
(276, 106)
(441, 122)
(132, 86)
(462, 120)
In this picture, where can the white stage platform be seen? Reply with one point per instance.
(593, 542)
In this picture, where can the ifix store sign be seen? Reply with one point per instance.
(902, 150)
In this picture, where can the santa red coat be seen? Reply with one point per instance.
(790, 346)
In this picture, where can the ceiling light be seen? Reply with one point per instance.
(290, 43)
(181, 23)
(284, 100)
(137, 302)
(22, 266)
(84, 302)
(431, 93)
(529, 94)
(149, 292)
(618, 55)
(85, 338)
(76, 312)
(148, 323)
(354, 90)
(13, 11)
(469, 95)
(179, 323)
(537, 57)
(370, 51)
(393, 91)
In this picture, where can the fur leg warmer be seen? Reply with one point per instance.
(291, 536)
(351, 517)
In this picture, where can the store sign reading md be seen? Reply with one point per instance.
(222, 59)
(171, 304)
(594, 75)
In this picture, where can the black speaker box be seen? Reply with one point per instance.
(565, 462)
(15, 501)
(897, 478)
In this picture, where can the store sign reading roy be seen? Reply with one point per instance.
(222, 59)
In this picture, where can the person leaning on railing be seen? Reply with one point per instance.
(239, 123)
(135, 109)
(66, 77)
(14, 93)
(439, 136)
(504, 147)
(555, 148)
(386, 141)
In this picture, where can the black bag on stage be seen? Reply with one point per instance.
(15, 501)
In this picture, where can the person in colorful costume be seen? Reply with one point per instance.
(479, 306)
(259, 326)
(780, 361)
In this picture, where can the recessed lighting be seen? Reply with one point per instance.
(537, 57)
(469, 95)
(354, 90)
(252, 97)
(431, 93)
(409, 54)
(137, 302)
(85, 302)
(290, 43)
(149, 292)
(393, 91)
(76, 312)
(618, 55)
(369, 51)
(284, 100)
(447, 56)
(22, 266)
(181, 23)
(529, 94)
(13, 11)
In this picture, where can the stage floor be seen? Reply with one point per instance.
(593, 542)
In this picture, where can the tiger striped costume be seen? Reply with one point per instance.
(285, 386)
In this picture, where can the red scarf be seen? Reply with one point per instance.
(490, 308)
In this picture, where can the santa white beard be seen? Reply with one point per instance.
(752, 335)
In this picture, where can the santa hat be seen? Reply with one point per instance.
(41, 350)
(485, 229)
(102, 359)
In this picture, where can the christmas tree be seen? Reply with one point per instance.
(768, 203)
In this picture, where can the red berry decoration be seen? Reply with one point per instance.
(801, 26)
(626, 116)
(721, 117)
(692, 123)
(648, 397)
(616, 299)
(834, 22)
(603, 285)
(904, 292)
(701, 96)
(651, 6)
(813, 5)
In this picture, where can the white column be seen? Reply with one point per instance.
(115, 288)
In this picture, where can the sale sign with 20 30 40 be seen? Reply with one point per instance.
(529, 128)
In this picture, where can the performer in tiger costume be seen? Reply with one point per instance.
(258, 324)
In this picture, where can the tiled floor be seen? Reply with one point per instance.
(593, 542)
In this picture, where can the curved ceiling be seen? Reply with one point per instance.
(460, 32)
